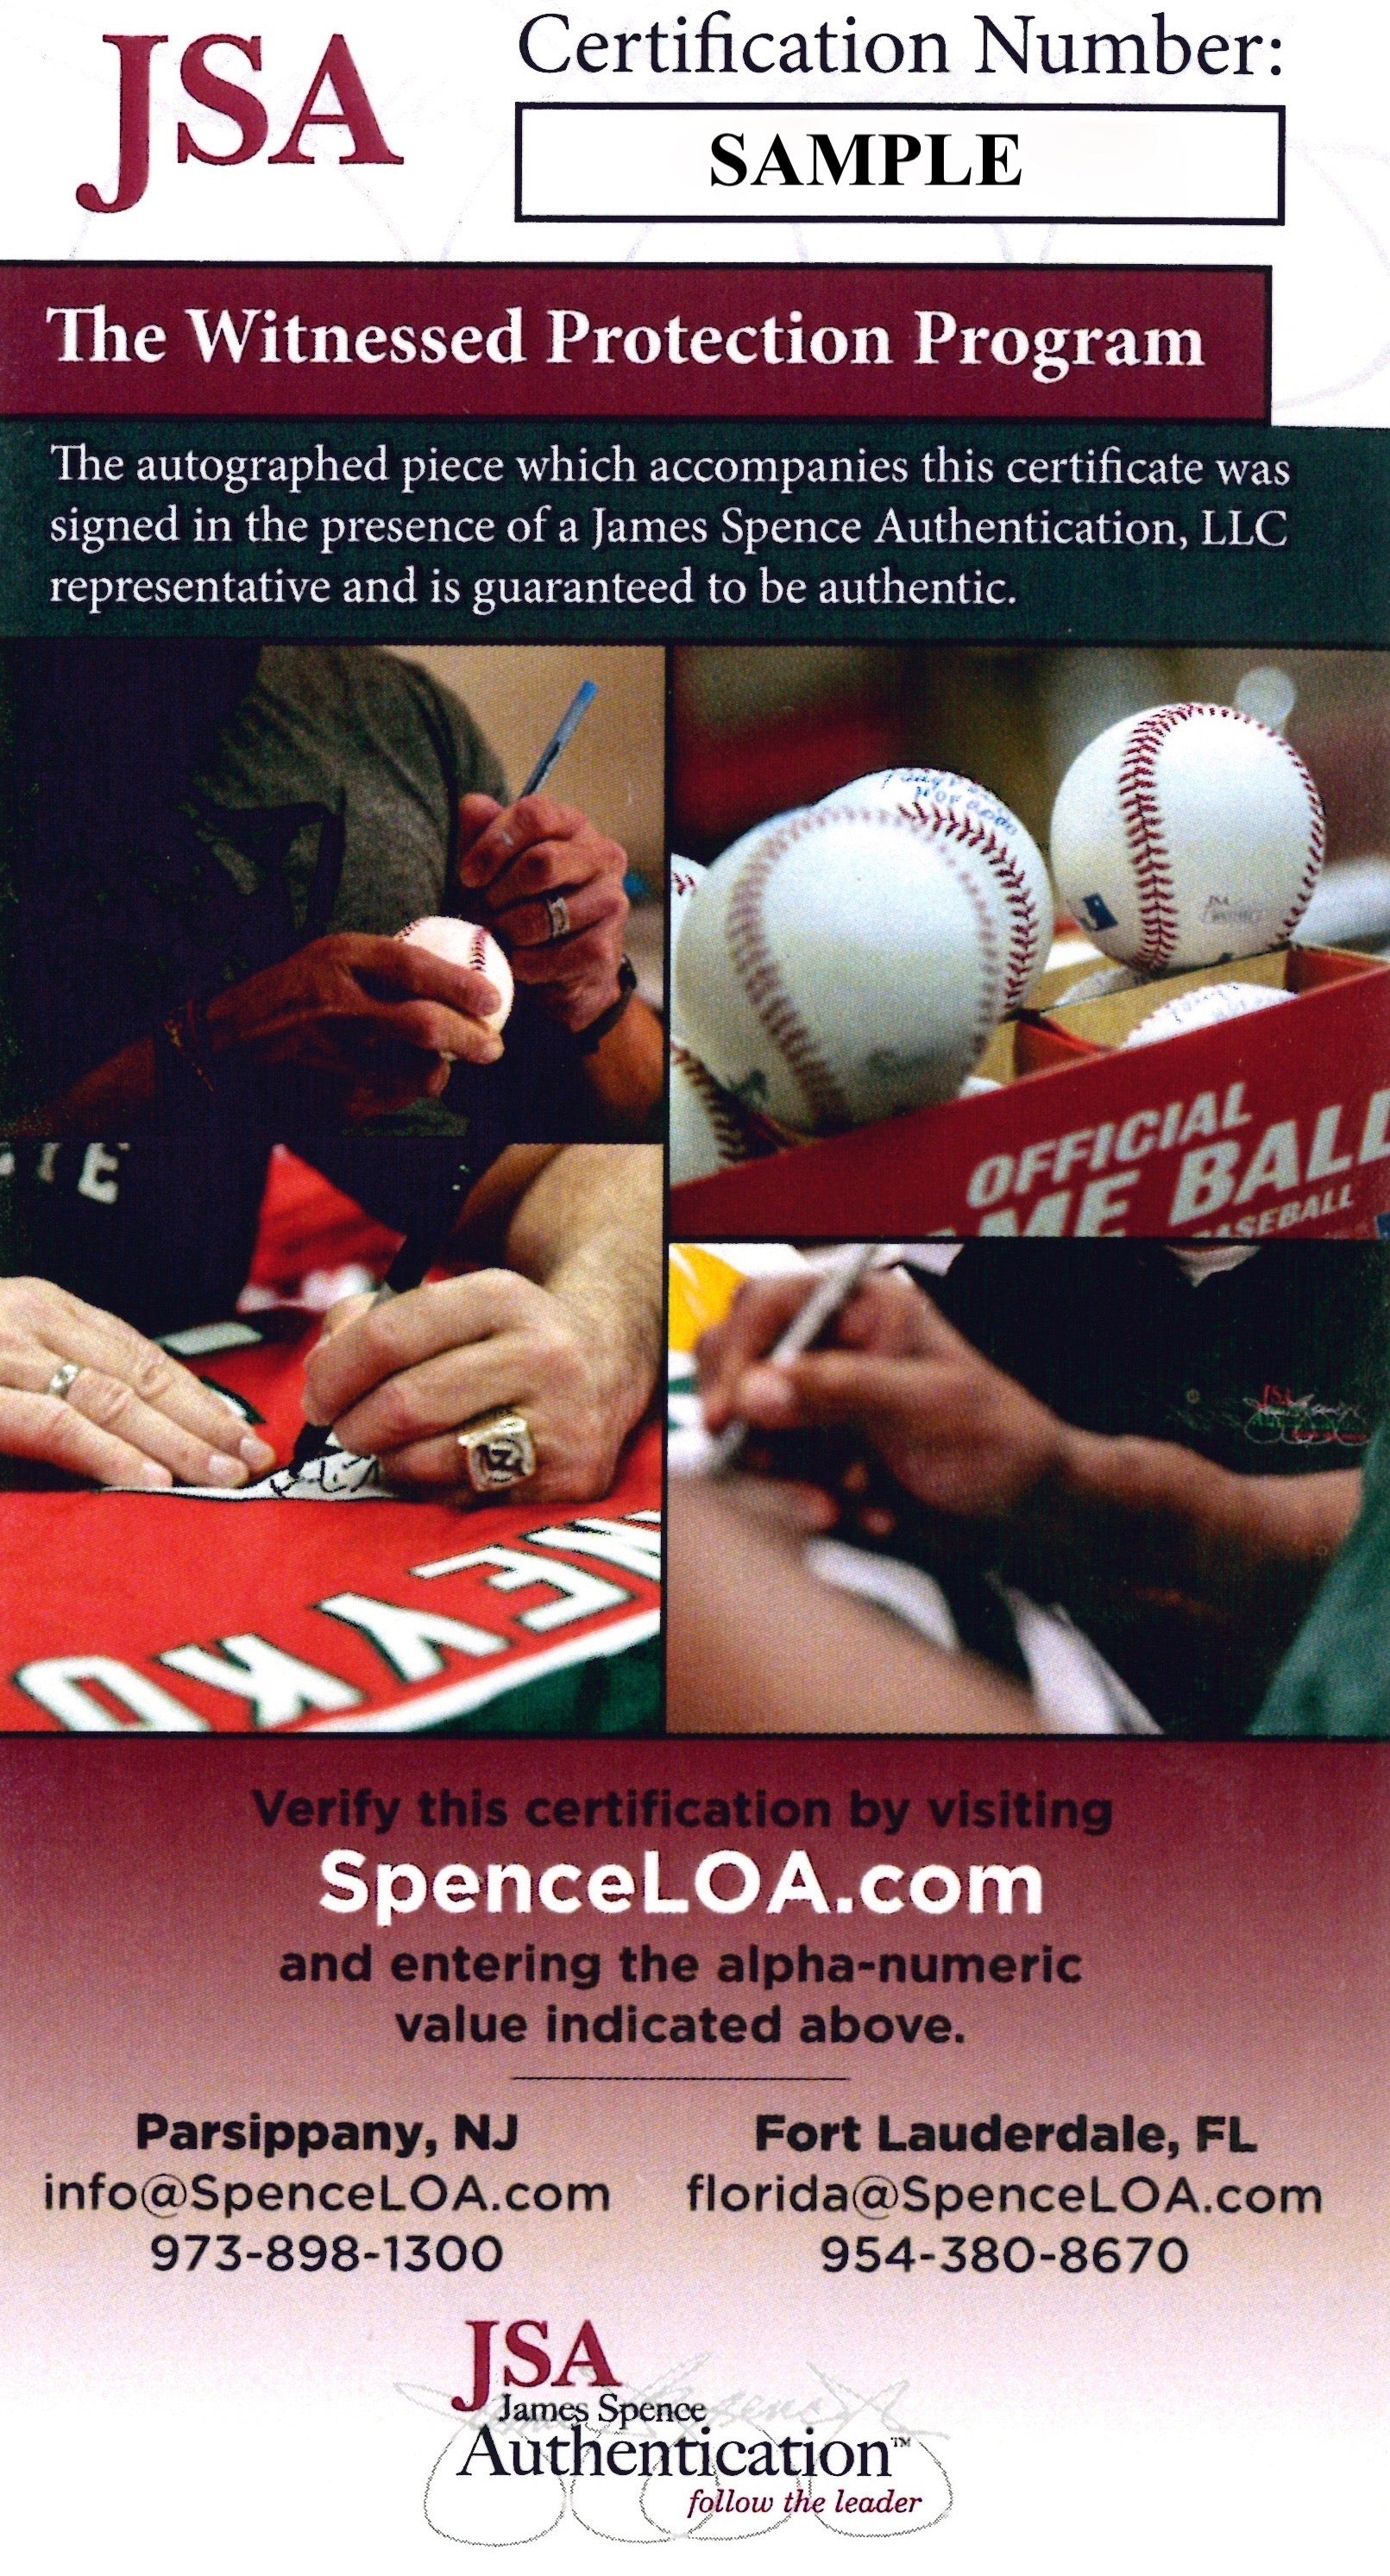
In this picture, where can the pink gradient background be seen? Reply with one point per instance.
(1232, 1932)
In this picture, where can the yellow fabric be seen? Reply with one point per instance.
(702, 1290)
(704, 1277)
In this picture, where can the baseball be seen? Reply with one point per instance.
(838, 966)
(709, 1130)
(683, 876)
(1185, 835)
(465, 943)
(979, 827)
(1202, 1009)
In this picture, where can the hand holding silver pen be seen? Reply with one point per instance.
(831, 1294)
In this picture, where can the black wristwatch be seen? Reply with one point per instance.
(587, 1041)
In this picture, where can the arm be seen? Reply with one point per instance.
(1164, 1518)
(360, 1026)
(584, 1222)
(626, 1073)
(115, 1096)
(756, 1646)
(1168, 1558)
(1134, 1535)
(588, 1229)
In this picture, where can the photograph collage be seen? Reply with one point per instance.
(359, 998)
(694, 1289)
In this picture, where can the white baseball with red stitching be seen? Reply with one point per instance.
(981, 828)
(708, 1129)
(683, 876)
(838, 966)
(1185, 835)
(1204, 1008)
(466, 943)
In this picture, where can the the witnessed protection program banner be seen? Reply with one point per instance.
(830, 568)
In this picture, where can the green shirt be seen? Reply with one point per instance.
(1335, 1678)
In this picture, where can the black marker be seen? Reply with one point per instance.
(415, 1259)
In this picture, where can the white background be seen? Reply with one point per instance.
(444, 82)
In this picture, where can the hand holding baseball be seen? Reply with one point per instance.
(375, 1023)
(552, 888)
(82, 1391)
(467, 944)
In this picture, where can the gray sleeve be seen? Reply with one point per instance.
(381, 746)
(465, 749)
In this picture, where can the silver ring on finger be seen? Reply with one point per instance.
(557, 913)
(498, 1450)
(63, 1379)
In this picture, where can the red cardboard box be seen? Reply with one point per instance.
(1276, 1123)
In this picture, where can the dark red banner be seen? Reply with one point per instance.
(615, 342)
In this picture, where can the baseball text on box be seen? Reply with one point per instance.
(1273, 1124)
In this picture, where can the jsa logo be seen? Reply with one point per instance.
(335, 96)
(525, 2340)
